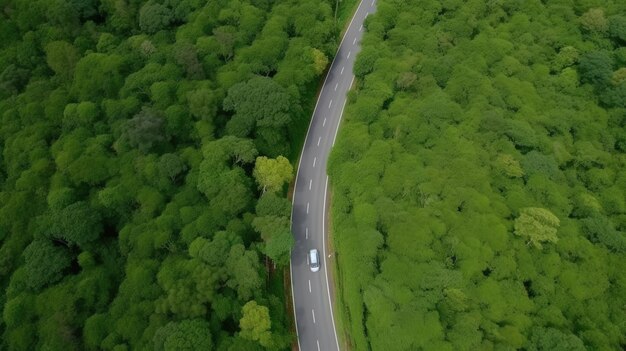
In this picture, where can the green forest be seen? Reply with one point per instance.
(479, 178)
(145, 152)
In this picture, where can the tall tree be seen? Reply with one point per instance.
(44, 263)
(187, 335)
(255, 323)
(537, 225)
(272, 174)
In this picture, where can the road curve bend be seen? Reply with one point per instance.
(315, 325)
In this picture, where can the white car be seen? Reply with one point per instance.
(314, 260)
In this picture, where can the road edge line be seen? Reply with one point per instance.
(330, 302)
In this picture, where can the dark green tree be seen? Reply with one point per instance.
(186, 335)
(154, 17)
(77, 224)
(44, 263)
(145, 130)
(596, 67)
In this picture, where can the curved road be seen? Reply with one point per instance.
(315, 325)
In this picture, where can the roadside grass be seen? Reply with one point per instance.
(339, 310)
(279, 295)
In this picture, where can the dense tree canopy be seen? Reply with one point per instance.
(129, 214)
(478, 179)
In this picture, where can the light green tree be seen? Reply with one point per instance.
(320, 61)
(272, 174)
(509, 166)
(255, 323)
(537, 225)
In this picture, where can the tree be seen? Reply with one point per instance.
(107, 42)
(12, 79)
(243, 269)
(154, 17)
(594, 21)
(553, 339)
(279, 246)
(44, 263)
(267, 226)
(537, 225)
(599, 229)
(567, 56)
(272, 174)
(95, 330)
(320, 61)
(255, 323)
(187, 335)
(202, 104)
(260, 105)
(617, 27)
(189, 285)
(83, 114)
(596, 67)
(214, 252)
(171, 166)
(99, 76)
(270, 204)
(509, 166)
(226, 37)
(77, 224)
(365, 61)
(145, 129)
(62, 57)
(187, 57)
(405, 80)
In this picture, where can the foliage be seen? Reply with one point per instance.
(478, 134)
(128, 136)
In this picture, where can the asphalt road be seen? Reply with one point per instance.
(311, 293)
